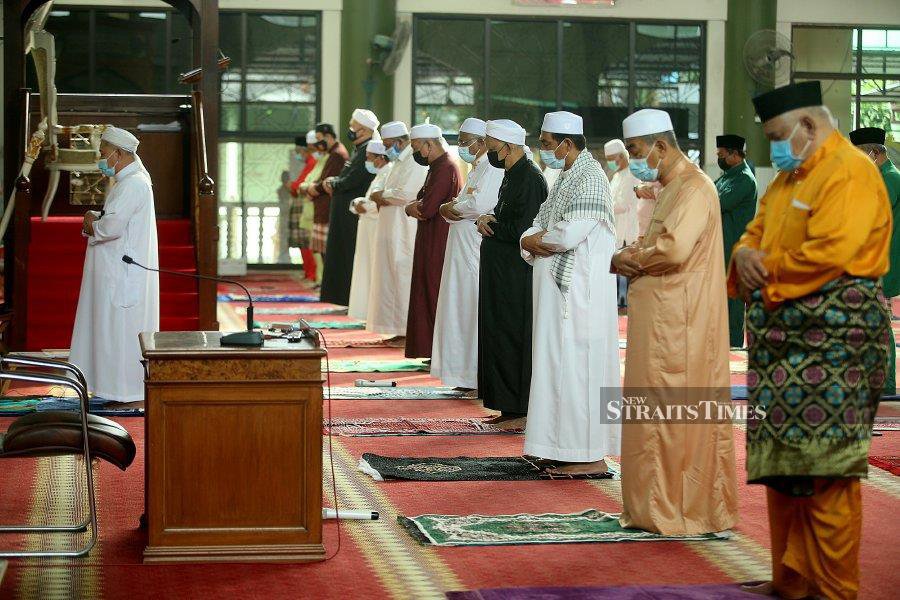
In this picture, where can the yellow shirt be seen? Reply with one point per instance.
(828, 218)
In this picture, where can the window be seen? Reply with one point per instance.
(859, 70)
(521, 69)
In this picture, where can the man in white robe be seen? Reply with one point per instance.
(367, 210)
(575, 355)
(454, 355)
(625, 203)
(395, 235)
(118, 301)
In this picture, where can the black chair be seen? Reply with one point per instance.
(61, 433)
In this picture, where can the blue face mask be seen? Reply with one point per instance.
(465, 155)
(103, 165)
(640, 169)
(782, 154)
(548, 157)
(370, 167)
(612, 165)
(392, 153)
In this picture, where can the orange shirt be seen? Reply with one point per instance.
(828, 218)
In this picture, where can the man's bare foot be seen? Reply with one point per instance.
(583, 468)
(510, 424)
(501, 418)
(765, 588)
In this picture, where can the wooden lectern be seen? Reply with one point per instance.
(233, 450)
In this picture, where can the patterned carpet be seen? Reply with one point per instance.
(379, 559)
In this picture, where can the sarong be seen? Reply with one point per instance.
(319, 237)
(816, 371)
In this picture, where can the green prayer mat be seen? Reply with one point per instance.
(590, 526)
(460, 468)
(268, 310)
(377, 366)
(319, 324)
(19, 404)
(396, 393)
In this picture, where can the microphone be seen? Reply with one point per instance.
(249, 338)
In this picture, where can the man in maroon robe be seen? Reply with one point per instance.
(441, 185)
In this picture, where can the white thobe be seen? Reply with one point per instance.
(625, 205)
(550, 176)
(118, 301)
(454, 353)
(395, 238)
(575, 348)
(364, 255)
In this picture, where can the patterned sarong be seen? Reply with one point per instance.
(816, 368)
(319, 237)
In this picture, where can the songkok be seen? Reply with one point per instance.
(868, 135)
(394, 129)
(563, 122)
(788, 98)
(366, 118)
(311, 137)
(376, 148)
(300, 140)
(473, 126)
(428, 131)
(506, 131)
(325, 129)
(730, 141)
(646, 122)
(614, 147)
(120, 138)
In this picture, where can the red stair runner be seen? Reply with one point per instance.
(56, 258)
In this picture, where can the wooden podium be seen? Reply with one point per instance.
(233, 450)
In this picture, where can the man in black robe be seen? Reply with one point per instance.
(504, 299)
(351, 183)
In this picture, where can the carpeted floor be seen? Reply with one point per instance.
(380, 559)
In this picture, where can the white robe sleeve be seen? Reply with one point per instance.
(404, 185)
(483, 198)
(528, 256)
(565, 235)
(112, 225)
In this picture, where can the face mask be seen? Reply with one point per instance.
(782, 154)
(317, 155)
(298, 156)
(548, 157)
(640, 169)
(392, 153)
(494, 159)
(103, 165)
(351, 135)
(370, 167)
(420, 160)
(465, 155)
(612, 165)
(723, 165)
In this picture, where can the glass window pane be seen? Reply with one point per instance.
(69, 28)
(288, 118)
(448, 57)
(668, 73)
(182, 51)
(231, 82)
(130, 52)
(523, 74)
(824, 49)
(881, 52)
(879, 101)
(595, 75)
(261, 175)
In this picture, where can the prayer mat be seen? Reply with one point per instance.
(817, 369)
(460, 468)
(393, 426)
(97, 406)
(889, 424)
(631, 592)
(365, 343)
(378, 366)
(293, 311)
(396, 393)
(268, 298)
(590, 526)
(18, 405)
(356, 325)
(891, 464)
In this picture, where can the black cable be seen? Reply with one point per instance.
(337, 513)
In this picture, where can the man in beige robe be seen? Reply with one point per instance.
(678, 470)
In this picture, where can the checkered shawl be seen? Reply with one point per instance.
(582, 192)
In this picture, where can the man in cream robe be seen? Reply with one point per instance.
(367, 210)
(395, 235)
(575, 349)
(454, 356)
(678, 472)
(118, 301)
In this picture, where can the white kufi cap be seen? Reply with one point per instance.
(506, 131)
(563, 122)
(394, 129)
(311, 137)
(473, 126)
(646, 122)
(120, 138)
(425, 131)
(376, 148)
(614, 147)
(366, 118)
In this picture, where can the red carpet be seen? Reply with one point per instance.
(56, 257)
(378, 560)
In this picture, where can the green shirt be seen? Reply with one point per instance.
(891, 177)
(737, 202)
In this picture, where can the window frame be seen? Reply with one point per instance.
(486, 20)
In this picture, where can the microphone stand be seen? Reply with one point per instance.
(249, 338)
